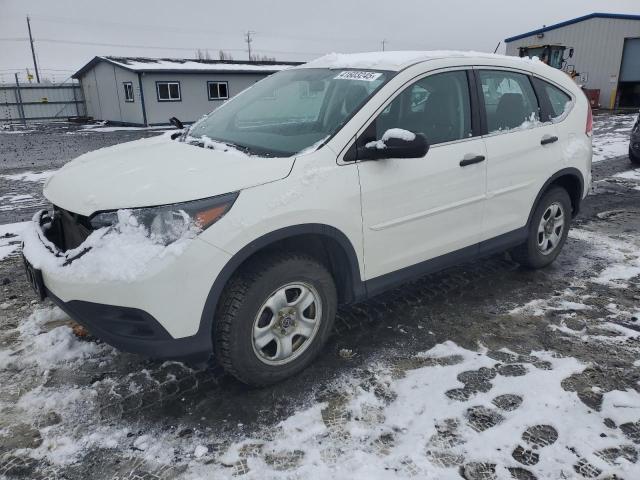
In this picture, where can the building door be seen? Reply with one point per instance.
(629, 83)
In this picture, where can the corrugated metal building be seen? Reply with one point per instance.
(148, 91)
(606, 53)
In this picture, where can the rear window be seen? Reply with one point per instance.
(509, 100)
(557, 98)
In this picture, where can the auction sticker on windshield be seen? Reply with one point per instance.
(357, 75)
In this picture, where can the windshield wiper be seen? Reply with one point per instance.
(203, 144)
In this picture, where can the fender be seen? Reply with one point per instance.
(210, 306)
(572, 171)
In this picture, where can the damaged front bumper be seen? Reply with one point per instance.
(157, 315)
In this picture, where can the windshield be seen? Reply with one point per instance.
(289, 111)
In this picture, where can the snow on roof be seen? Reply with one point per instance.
(389, 60)
(145, 64)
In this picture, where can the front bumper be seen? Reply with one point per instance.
(158, 314)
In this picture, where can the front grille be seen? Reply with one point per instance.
(70, 229)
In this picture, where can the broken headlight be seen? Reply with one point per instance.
(168, 223)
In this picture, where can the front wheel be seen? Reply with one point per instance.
(275, 316)
(548, 230)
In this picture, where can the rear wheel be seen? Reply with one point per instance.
(275, 316)
(635, 159)
(547, 231)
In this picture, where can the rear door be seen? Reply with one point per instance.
(521, 149)
(416, 209)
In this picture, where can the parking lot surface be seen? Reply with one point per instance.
(484, 371)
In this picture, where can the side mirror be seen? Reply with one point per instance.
(176, 123)
(395, 143)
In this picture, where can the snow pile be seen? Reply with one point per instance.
(40, 177)
(123, 252)
(46, 341)
(397, 133)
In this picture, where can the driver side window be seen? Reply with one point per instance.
(436, 106)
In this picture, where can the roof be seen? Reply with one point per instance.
(391, 60)
(184, 65)
(618, 16)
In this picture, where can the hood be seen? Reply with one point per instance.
(156, 171)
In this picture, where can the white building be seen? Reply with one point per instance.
(149, 91)
(606, 53)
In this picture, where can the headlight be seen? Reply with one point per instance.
(168, 223)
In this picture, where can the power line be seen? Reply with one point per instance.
(186, 30)
(155, 47)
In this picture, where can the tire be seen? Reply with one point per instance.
(537, 252)
(257, 306)
(635, 159)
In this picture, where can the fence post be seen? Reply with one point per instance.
(75, 99)
(19, 101)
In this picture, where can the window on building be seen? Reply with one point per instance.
(128, 91)
(509, 99)
(218, 90)
(168, 91)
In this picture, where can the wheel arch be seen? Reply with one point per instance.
(327, 243)
(572, 180)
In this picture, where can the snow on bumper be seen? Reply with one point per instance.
(124, 269)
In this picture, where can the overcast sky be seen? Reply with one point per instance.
(69, 33)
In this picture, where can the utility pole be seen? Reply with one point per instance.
(384, 41)
(33, 51)
(248, 39)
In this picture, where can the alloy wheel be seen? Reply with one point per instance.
(287, 323)
(551, 228)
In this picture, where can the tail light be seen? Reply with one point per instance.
(589, 129)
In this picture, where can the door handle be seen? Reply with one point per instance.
(471, 160)
(546, 140)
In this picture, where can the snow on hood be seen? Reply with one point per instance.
(156, 171)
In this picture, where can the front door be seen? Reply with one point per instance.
(416, 209)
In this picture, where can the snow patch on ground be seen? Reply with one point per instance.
(623, 256)
(629, 175)
(10, 237)
(29, 176)
(608, 143)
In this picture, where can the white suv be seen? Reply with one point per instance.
(323, 184)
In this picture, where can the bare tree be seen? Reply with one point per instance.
(203, 54)
(262, 58)
(222, 55)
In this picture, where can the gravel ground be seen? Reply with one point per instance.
(480, 372)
